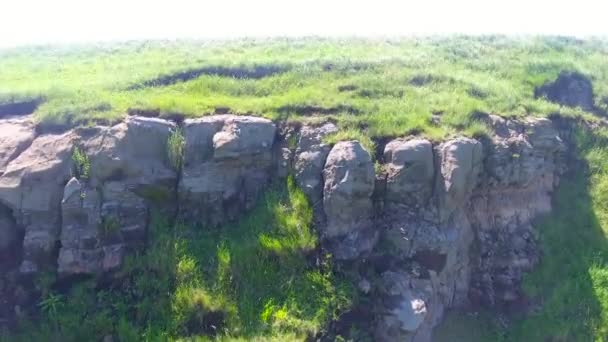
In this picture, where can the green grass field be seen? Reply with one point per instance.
(380, 87)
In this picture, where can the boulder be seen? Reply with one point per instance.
(404, 309)
(228, 163)
(349, 184)
(309, 160)
(410, 171)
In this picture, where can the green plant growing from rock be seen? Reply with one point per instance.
(175, 148)
(82, 165)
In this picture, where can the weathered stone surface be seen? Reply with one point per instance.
(349, 184)
(523, 167)
(15, 136)
(228, 163)
(309, 161)
(243, 136)
(410, 171)
(404, 309)
(461, 163)
(79, 230)
(99, 227)
(32, 187)
(134, 151)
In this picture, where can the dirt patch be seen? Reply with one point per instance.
(379, 93)
(255, 72)
(311, 110)
(19, 108)
(347, 87)
(421, 80)
(571, 88)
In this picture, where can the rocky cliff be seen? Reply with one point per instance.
(433, 225)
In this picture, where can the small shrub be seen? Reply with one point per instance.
(175, 148)
(82, 165)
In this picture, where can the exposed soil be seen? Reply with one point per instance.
(571, 88)
(311, 110)
(256, 72)
(19, 108)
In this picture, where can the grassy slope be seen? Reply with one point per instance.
(388, 87)
(571, 282)
(251, 280)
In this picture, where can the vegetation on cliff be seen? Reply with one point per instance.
(262, 278)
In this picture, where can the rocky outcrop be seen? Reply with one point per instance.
(347, 199)
(310, 157)
(522, 168)
(16, 134)
(228, 162)
(442, 225)
(32, 188)
(410, 171)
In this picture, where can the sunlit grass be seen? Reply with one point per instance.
(393, 87)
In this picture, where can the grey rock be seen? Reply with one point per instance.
(134, 151)
(232, 166)
(410, 171)
(404, 310)
(16, 135)
(309, 160)
(461, 163)
(32, 188)
(349, 184)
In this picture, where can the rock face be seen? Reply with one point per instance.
(522, 169)
(571, 88)
(228, 162)
(32, 188)
(310, 157)
(347, 199)
(442, 225)
(410, 171)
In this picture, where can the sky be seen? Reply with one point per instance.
(26, 22)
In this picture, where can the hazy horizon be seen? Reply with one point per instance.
(35, 22)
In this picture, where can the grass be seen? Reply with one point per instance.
(252, 280)
(571, 283)
(383, 87)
